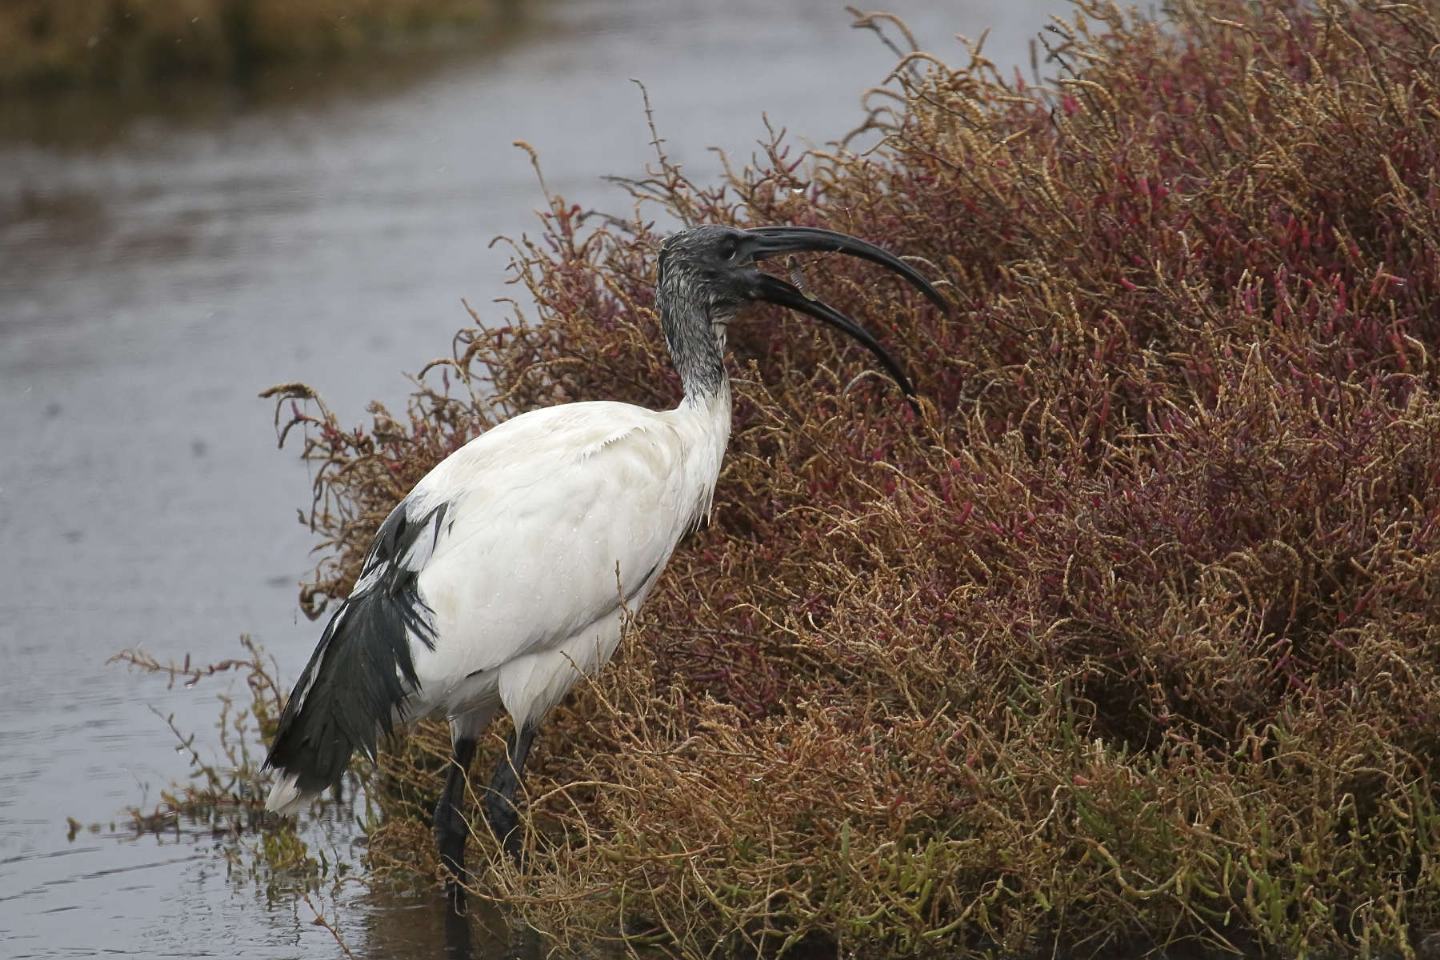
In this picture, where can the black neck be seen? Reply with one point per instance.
(695, 349)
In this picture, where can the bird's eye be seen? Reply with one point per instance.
(728, 250)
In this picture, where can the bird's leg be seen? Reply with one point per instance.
(500, 808)
(451, 830)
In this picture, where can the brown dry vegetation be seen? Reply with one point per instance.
(128, 42)
(1132, 639)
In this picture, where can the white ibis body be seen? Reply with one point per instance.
(502, 578)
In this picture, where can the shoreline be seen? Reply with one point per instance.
(57, 45)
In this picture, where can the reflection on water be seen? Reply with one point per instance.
(163, 261)
(423, 924)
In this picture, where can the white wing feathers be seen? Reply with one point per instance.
(551, 520)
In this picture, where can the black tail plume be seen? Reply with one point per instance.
(354, 688)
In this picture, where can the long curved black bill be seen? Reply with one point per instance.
(771, 241)
(774, 290)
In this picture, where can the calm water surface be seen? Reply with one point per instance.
(162, 262)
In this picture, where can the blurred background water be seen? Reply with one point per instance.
(164, 259)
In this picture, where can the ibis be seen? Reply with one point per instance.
(504, 576)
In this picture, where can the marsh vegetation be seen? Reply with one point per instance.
(129, 43)
(1129, 641)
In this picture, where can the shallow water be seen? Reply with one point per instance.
(162, 261)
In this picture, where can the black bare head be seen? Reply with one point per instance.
(707, 273)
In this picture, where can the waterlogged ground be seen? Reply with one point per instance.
(162, 261)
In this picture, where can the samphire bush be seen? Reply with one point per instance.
(1130, 640)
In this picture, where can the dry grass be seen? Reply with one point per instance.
(1131, 641)
(46, 43)
(223, 798)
